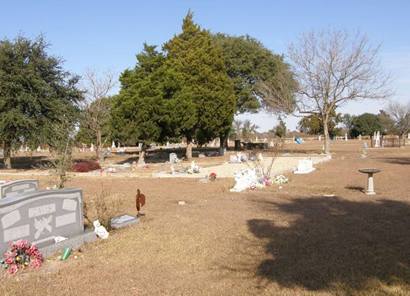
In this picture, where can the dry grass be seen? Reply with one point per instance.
(289, 241)
(102, 206)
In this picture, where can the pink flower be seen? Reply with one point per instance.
(32, 250)
(10, 254)
(22, 244)
(12, 269)
(9, 260)
(36, 263)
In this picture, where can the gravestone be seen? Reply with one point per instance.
(305, 166)
(173, 158)
(123, 221)
(19, 187)
(41, 216)
(377, 139)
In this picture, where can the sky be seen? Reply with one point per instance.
(106, 35)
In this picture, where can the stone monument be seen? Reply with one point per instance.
(305, 166)
(19, 187)
(44, 218)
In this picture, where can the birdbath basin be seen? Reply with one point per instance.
(370, 182)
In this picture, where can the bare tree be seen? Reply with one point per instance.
(334, 68)
(236, 130)
(248, 130)
(97, 108)
(400, 114)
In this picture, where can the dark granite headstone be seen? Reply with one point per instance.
(19, 187)
(41, 216)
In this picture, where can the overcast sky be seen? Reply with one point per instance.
(107, 34)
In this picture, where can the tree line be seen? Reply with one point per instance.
(189, 88)
(394, 120)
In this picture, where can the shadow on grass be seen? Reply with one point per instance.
(396, 160)
(26, 162)
(336, 243)
(162, 155)
(355, 188)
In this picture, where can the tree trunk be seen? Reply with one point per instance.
(98, 150)
(188, 152)
(7, 155)
(326, 134)
(222, 145)
(141, 156)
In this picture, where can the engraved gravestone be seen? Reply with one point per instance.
(19, 187)
(41, 216)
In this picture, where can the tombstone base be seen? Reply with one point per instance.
(304, 171)
(72, 242)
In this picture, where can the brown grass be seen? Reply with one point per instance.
(289, 241)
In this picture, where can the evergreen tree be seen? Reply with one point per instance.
(201, 93)
(36, 95)
(140, 112)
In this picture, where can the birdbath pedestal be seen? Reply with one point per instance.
(370, 182)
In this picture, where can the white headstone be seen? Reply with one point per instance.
(377, 140)
(345, 136)
(305, 166)
(173, 158)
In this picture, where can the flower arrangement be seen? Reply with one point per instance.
(280, 179)
(212, 176)
(21, 254)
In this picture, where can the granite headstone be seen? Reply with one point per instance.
(19, 187)
(41, 216)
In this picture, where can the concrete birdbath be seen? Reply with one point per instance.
(370, 182)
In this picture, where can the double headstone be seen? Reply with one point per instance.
(41, 216)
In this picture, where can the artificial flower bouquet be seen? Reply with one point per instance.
(21, 254)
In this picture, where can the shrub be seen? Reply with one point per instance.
(103, 206)
(85, 166)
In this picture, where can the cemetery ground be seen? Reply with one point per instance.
(317, 235)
